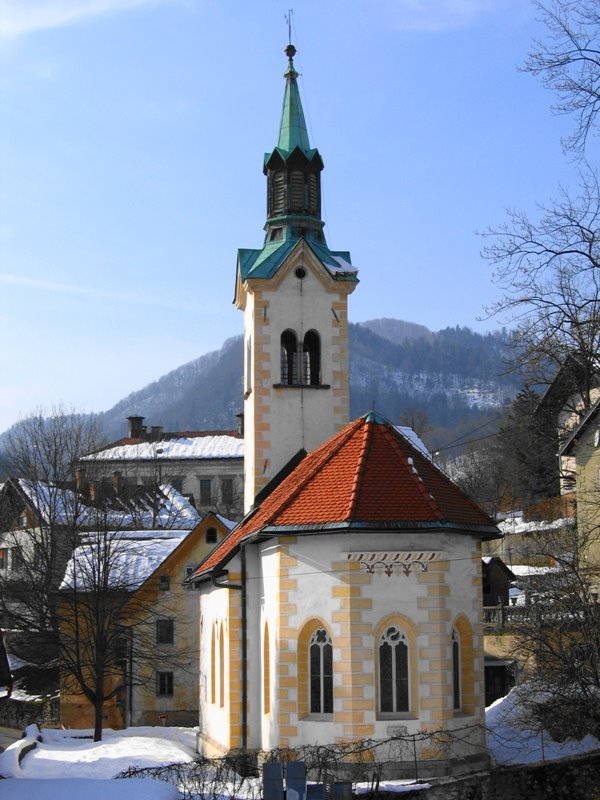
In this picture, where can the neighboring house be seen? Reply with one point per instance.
(38, 521)
(496, 578)
(574, 390)
(40, 525)
(155, 679)
(500, 672)
(522, 536)
(583, 446)
(205, 466)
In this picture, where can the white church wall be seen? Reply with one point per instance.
(319, 568)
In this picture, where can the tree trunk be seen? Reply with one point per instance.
(98, 709)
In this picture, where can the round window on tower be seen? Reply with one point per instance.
(300, 273)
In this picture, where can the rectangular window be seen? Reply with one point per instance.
(164, 683)
(211, 536)
(189, 571)
(227, 491)
(205, 492)
(165, 631)
(3, 557)
(16, 559)
(165, 583)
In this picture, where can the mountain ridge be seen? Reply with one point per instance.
(452, 377)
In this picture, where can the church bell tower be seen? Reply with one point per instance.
(294, 295)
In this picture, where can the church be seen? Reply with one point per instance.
(346, 605)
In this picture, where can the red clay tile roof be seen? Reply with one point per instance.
(367, 476)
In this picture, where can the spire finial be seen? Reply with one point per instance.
(288, 19)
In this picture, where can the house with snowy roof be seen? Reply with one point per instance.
(204, 466)
(346, 605)
(582, 446)
(149, 633)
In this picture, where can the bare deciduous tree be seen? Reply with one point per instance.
(85, 620)
(40, 517)
(568, 61)
(558, 636)
(548, 270)
(113, 630)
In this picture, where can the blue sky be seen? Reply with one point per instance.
(131, 141)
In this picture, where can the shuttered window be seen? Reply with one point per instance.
(297, 191)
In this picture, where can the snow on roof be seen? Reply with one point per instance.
(165, 508)
(341, 265)
(132, 557)
(518, 525)
(56, 505)
(525, 571)
(183, 447)
(413, 438)
(228, 523)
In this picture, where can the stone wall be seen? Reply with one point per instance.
(574, 779)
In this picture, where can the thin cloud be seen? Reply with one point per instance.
(38, 284)
(439, 15)
(20, 17)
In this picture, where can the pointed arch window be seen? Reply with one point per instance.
(456, 700)
(320, 671)
(221, 667)
(393, 671)
(213, 664)
(289, 358)
(311, 359)
(266, 672)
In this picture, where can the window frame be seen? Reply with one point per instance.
(396, 660)
(165, 680)
(165, 630)
(204, 482)
(321, 645)
(456, 672)
(164, 582)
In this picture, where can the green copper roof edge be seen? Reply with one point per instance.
(267, 261)
(311, 153)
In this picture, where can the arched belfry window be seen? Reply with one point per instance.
(456, 704)
(289, 358)
(311, 359)
(320, 671)
(393, 671)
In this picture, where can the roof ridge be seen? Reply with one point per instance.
(413, 472)
(362, 460)
(320, 458)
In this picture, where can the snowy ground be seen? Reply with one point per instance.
(511, 742)
(69, 768)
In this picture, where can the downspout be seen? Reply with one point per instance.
(244, 619)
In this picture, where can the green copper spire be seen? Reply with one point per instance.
(292, 131)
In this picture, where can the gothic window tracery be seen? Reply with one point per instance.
(320, 671)
(393, 671)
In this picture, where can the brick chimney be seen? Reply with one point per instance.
(137, 429)
(240, 419)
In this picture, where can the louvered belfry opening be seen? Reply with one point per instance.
(294, 185)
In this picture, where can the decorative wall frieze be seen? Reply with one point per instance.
(401, 562)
